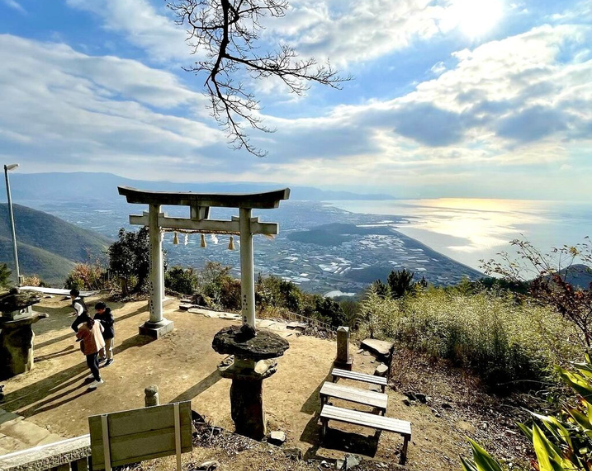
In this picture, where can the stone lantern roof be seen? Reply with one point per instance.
(16, 300)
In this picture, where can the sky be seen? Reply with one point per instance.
(450, 98)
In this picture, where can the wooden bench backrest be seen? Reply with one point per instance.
(140, 434)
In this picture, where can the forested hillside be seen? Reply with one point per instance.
(48, 246)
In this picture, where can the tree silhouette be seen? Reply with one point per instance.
(227, 32)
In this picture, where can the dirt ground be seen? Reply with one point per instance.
(184, 367)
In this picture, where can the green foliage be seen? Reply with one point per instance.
(129, 259)
(381, 289)
(181, 280)
(562, 443)
(215, 283)
(400, 283)
(273, 293)
(507, 343)
(353, 315)
(4, 275)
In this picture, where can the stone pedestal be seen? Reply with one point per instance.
(344, 359)
(16, 345)
(156, 329)
(16, 332)
(254, 360)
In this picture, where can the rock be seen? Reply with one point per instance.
(381, 370)
(277, 437)
(294, 454)
(350, 462)
(208, 466)
(380, 347)
(297, 325)
(325, 464)
(196, 417)
(339, 464)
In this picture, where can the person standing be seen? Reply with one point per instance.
(105, 317)
(79, 307)
(91, 336)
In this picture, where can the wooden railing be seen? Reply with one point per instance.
(67, 455)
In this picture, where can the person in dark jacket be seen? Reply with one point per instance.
(105, 317)
(91, 342)
(79, 308)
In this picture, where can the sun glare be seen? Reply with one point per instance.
(477, 17)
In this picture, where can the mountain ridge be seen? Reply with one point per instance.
(83, 186)
(47, 245)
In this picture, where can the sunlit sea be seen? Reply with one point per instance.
(469, 230)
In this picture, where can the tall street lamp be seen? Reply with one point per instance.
(16, 264)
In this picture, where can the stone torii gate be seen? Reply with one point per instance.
(199, 210)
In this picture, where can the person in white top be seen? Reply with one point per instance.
(79, 308)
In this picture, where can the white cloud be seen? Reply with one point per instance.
(521, 102)
(15, 5)
(348, 31)
(142, 25)
(74, 109)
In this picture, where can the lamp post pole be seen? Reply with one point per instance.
(16, 264)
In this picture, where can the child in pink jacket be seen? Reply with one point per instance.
(91, 334)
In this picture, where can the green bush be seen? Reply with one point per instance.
(181, 280)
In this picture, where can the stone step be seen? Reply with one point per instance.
(17, 433)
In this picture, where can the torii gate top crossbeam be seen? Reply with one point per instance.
(266, 200)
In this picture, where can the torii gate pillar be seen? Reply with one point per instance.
(157, 325)
(247, 268)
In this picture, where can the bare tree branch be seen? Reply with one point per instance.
(228, 31)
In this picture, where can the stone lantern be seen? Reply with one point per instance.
(16, 334)
(255, 356)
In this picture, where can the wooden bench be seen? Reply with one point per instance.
(365, 419)
(379, 380)
(359, 396)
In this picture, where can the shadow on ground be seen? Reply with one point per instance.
(28, 398)
(71, 334)
(200, 387)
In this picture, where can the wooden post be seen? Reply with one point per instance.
(106, 442)
(247, 269)
(177, 435)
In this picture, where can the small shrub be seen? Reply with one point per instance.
(34, 280)
(181, 280)
(87, 276)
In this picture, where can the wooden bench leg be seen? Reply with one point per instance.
(325, 424)
(404, 450)
(80, 465)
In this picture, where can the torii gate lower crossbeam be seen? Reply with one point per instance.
(199, 204)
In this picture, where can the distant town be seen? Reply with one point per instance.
(321, 248)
